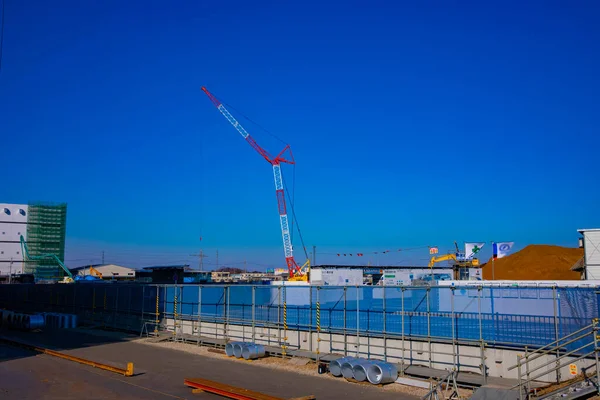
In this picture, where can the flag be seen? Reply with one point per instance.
(433, 250)
(502, 249)
(472, 249)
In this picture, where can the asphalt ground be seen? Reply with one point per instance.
(159, 372)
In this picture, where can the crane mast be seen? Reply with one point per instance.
(293, 268)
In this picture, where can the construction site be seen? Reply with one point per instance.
(168, 261)
(521, 325)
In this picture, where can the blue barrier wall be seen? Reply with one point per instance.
(500, 316)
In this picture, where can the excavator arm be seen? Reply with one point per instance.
(444, 257)
(26, 256)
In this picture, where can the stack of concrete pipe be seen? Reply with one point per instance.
(375, 371)
(13, 320)
(60, 321)
(248, 351)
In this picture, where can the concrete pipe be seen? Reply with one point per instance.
(25, 319)
(348, 365)
(73, 321)
(35, 322)
(253, 351)
(16, 322)
(237, 349)
(335, 367)
(1, 317)
(380, 372)
(229, 348)
(359, 371)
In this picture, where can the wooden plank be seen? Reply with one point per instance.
(228, 391)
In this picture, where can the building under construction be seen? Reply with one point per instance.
(46, 231)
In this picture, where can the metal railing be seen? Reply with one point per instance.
(384, 322)
(585, 341)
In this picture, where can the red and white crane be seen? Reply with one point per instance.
(295, 271)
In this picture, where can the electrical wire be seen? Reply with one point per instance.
(294, 217)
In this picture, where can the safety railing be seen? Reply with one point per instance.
(583, 344)
(366, 320)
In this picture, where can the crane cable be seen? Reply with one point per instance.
(294, 217)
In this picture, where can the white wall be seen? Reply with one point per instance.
(336, 276)
(591, 245)
(12, 225)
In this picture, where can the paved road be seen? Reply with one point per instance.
(159, 373)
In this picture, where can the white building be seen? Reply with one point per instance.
(591, 252)
(13, 224)
(108, 271)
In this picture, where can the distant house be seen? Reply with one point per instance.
(108, 271)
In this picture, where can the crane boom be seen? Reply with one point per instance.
(293, 268)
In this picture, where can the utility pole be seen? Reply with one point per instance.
(314, 255)
(217, 259)
(10, 272)
(102, 256)
(245, 267)
(201, 256)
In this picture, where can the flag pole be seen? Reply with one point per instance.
(493, 258)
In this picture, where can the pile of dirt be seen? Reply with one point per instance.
(536, 262)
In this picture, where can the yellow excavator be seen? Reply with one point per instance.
(95, 272)
(458, 261)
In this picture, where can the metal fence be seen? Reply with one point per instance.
(496, 316)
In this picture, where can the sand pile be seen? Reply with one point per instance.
(536, 262)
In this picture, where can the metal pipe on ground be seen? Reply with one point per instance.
(335, 367)
(253, 351)
(348, 366)
(229, 348)
(359, 371)
(380, 372)
(237, 350)
(35, 322)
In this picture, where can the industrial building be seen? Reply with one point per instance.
(43, 227)
(340, 275)
(13, 224)
(105, 271)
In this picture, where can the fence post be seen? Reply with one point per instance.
(318, 326)
(519, 377)
(452, 291)
(157, 310)
(384, 326)
(253, 314)
(199, 313)
(175, 311)
(279, 314)
(284, 344)
(481, 343)
(116, 308)
(595, 333)
(402, 314)
(357, 322)
(345, 326)
(555, 302)
(143, 299)
(310, 320)
(429, 323)
(226, 307)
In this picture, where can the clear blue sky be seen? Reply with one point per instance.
(412, 123)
